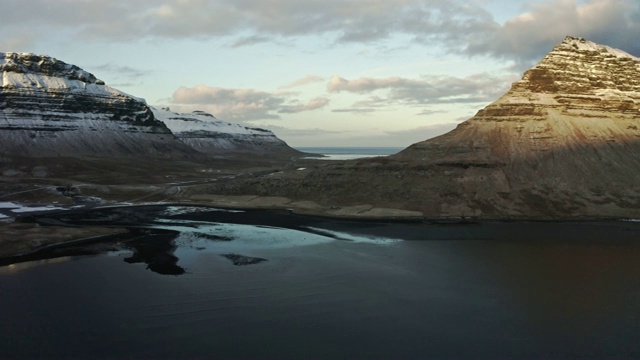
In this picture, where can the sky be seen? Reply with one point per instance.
(316, 72)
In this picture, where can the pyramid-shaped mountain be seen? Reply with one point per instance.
(562, 142)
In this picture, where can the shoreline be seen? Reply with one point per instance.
(403, 227)
(363, 212)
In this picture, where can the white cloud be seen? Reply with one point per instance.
(391, 91)
(309, 79)
(528, 36)
(346, 20)
(242, 104)
(313, 104)
(123, 71)
(461, 26)
(355, 110)
(364, 85)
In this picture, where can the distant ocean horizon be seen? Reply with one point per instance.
(347, 152)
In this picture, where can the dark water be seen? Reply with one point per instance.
(329, 289)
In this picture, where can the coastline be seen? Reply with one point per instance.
(42, 235)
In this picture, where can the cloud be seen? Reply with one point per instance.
(364, 85)
(481, 87)
(230, 104)
(309, 79)
(122, 71)
(528, 36)
(460, 26)
(249, 20)
(313, 104)
(242, 104)
(17, 43)
(428, 112)
(354, 110)
(249, 40)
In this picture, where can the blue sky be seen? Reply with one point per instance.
(316, 72)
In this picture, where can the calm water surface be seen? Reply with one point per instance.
(347, 153)
(329, 289)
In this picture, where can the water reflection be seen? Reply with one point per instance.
(157, 252)
(526, 290)
(18, 267)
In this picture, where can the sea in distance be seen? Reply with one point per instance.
(348, 153)
(197, 282)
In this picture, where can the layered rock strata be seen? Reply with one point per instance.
(51, 108)
(208, 135)
(562, 142)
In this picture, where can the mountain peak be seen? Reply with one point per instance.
(569, 129)
(578, 44)
(23, 63)
(15, 62)
(579, 66)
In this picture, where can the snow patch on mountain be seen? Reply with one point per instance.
(51, 108)
(205, 133)
(581, 44)
(201, 121)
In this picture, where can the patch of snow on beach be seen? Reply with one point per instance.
(355, 238)
(241, 237)
(8, 205)
(180, 210)
(24, 209)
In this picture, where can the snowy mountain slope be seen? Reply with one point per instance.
(51, 108)
(205, 133)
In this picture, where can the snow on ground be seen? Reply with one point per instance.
(355, 238)
(19, 208)
(8, 205)
(201, 121)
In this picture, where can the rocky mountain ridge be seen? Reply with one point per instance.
(208, 135)
(564, 141)
(49, 108)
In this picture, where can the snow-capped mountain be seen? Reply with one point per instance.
(564, 141)
(51, 108)
(203, 132)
